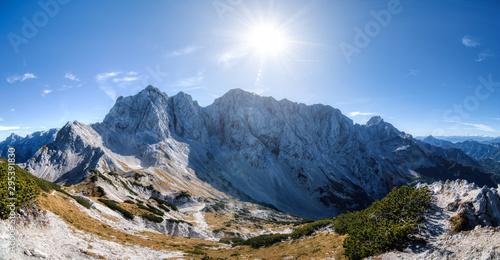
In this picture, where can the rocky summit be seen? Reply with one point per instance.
(309, 160)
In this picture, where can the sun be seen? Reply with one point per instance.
(267, 39)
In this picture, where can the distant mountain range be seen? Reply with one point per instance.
(474, 149)
(308, 160)
(462, 138)
(27, 146)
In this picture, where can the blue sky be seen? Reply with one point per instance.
(428, 67)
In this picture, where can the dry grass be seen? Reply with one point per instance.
(459, 222)
(60, 205)
(320, 246)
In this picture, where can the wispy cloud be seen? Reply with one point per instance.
(184, 51)
(1, 119)
(106, 75)
(71, 76)
(486, 54)
(65, 87)
(413, 72)
(110, 81)
(126, 79)
(470, 42)
(8, 128)
(192, 81)
(22, 78)
(46, 92)
(479, 127)
(357, 113)
(228, 58)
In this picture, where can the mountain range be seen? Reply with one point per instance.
(474, 149)
(310, 160)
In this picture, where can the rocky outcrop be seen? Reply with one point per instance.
(479, 240)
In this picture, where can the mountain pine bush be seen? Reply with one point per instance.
(22, 187)
(385, 225)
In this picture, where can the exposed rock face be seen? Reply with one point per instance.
(308, 160)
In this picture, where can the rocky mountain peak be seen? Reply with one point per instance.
(375, 121)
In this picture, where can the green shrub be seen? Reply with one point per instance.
(82, 201)
(151, 209)
(385, 225)
(129, 201)
(164, 208)
(152, 218)
(101, 191)
(26, 188)
(137, 176)
(179, 221)
(234, 241)
(106, 179)
(166, 203)
(127, 188)
(112, 205)
(218, 206)
(309, 228)
(94, 171)
(137, 184)
(265, 240)
(183, 194)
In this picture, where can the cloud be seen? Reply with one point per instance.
(12, 110)
(8, 128)
(192, 81)
(64, 87)
(109, 91)
(46, 92)
(71, 77)
(469, 42)
(21, 78)
(106, 75)
(1, 119)
(479, 127)
(228, 58)
(357, 113)
(126, 79)
(413, 72)
(485, 55)
(108, 81)
(185, 51)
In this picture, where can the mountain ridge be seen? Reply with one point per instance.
(310, 160)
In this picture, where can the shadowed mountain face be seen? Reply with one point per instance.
(308, 160)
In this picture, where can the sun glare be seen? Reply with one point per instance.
(267, 39)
